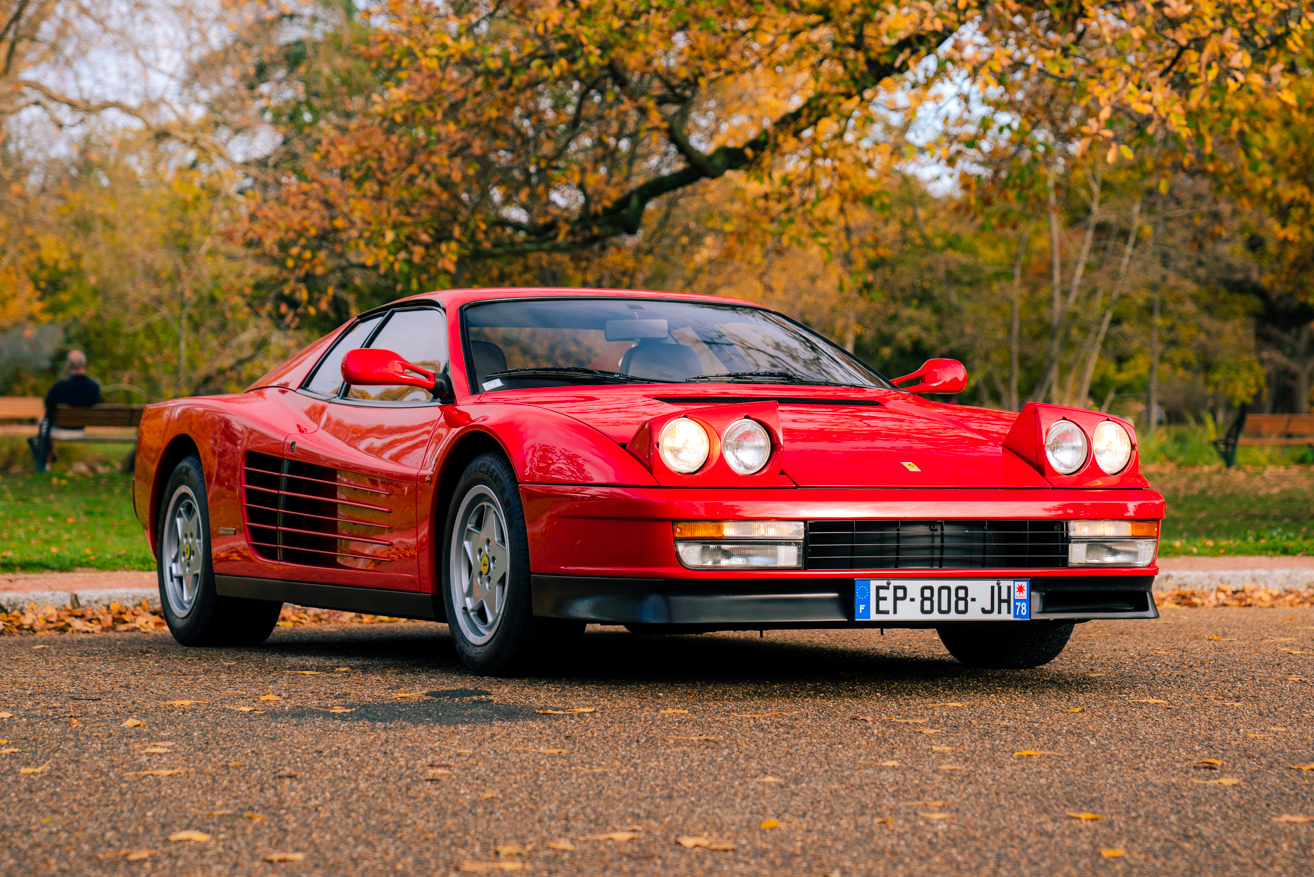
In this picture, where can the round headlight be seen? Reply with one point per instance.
(684, 445)
(746, 446)
(1065, 445)
(1112, 447)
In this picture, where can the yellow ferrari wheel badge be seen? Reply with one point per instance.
(483, 565)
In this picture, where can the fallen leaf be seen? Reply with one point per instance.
(1292, 766)
(563, 845)
(1225, 781)
(235, 764)
(948, 704)
(172, 772)
(511, 850)
(242, 709)
(216, 812)
(927, 731)
(1297, 652)
(157, 750)
(675, 712)
(546, 751)
(131, 855)
(575, 711)
(285, 775)
(402, 696)
(255, 816)
(1148, 700)
(132, 723)
(951, 767)
(304, 672)
(880, 763)
(285, 857)
(1295, 820)
(758, 780)
(6, 715)
(270, 697)
(184, 702)
(341, 669)
(30, 770)
(488, 796)
(480, 867)
(1086, 817)
(1210, 761)
(689, 842)
(613, 835)
(768, 824)
(909, 721)
(934, 815)
(9, 751)
(1028, 753)
(1113, 854)
(883, 820)
(338, 710)
(1076, 709)
(189, 834)
(943, 748)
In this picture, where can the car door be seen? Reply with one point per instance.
(360, 472)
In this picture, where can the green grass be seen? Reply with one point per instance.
(1217, 512)
(66, 521)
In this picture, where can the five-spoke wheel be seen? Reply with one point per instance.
(183, 549)
(481, 564)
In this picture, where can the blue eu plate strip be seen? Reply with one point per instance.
(862, 599)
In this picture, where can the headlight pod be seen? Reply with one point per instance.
(1066, 447)
(684, 445)
(746, 446)
(1112, 447)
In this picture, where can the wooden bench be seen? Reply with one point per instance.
(1265, 429)
(68, 417)
(21, 409)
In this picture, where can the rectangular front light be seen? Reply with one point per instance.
(1113, 529)
(1112, 552)
(740, 555)
(738, 529)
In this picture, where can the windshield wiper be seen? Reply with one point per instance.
(753, 377)
(569, 371)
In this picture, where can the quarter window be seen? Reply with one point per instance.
(328, 377)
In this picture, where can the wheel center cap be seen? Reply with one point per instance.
(483, 565)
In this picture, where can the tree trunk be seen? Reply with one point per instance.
(1304, 370)
(1098, 343)
(1015, 328)
(1056, 282)
(1152, 402)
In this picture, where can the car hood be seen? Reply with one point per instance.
(832, 437)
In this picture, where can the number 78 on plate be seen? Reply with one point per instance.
(942, 599)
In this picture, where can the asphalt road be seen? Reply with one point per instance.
(872, 755)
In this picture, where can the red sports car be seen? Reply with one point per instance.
(522, 462)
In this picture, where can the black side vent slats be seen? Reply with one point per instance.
(880, 545)
(781, 400)
(297, 513)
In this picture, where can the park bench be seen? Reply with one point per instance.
(68, 417)
(1265, 429)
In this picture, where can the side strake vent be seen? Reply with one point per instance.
(315, 516)
(786, 400)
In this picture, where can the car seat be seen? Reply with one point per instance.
(660, 361)
(488, 359)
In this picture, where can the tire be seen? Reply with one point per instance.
(486, 578)
(195, 613)
(1005, 645)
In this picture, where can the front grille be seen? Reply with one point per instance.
(315, 516)
(877, 545)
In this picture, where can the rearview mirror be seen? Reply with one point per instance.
(372, 368)
(937, 376)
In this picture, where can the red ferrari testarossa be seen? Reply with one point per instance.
(522, 462)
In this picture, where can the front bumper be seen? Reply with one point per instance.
(803, 602)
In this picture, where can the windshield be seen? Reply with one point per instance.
(562, 341)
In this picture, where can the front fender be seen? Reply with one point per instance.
(547, 447)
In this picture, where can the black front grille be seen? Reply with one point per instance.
(877, 545)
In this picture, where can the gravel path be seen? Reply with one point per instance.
(369, 751)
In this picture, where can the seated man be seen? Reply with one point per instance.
(77, 389)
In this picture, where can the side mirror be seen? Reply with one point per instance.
(372, 368)
(937, 376)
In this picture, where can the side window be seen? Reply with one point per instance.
(328, 376)
(419, 336)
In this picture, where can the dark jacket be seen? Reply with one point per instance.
(78, 390)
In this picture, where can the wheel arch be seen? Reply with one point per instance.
(179, 448)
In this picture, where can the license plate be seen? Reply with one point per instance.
(942, 599)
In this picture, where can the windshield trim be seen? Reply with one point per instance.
(882, 382)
